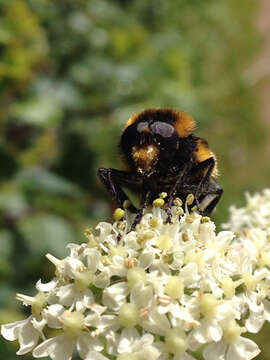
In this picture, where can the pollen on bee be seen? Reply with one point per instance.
(145, 157)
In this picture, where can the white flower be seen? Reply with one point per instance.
(27, 331)
(115, 296)
(52, 315)
(61, 346)
(154, 322)
(160, 292)
(175, 345)
(233, 346)
(94, 355)
(244, 349)
(258, 310)
(255, 214)
(103, 324)
(70, 296)
(217, 313)
(131, 342)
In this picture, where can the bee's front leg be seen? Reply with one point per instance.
(139, 215)
(113, 180)
(205, 167)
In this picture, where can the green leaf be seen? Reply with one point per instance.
(46, 233)
(12, 203)
(41, 111)
(5, 243)
(42, 180)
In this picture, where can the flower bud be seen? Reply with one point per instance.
(129, 315)
(134, 275)
(176, 341)
(232, 332)
(73, 323)
(208, 305)
(164, 242)
(174, 287)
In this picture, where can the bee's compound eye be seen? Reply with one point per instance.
(163, 129)
(143, 126)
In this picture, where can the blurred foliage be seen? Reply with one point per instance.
(71, 73)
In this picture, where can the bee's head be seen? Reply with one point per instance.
(151, 137)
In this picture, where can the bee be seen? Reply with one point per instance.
(163, 155)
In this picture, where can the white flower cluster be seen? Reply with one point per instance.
(256, 213)
(161, 292)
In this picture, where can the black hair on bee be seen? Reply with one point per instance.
(163, 155)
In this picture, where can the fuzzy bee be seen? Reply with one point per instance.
(163, 155)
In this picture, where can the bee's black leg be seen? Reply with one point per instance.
(179, 182)
(113, 180)
(139, 215)
(197, 203)
(208, 165)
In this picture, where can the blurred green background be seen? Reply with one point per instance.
(72, 72)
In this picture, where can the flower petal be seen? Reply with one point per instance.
(93, 258)
(86, 343)
(10, 331)
(28, 338)
(156, 323)
(115, 296)
(210, 330)
(128, 336)
(215, 351)
(245, 349)
(185, 356)
(48, 286)
(93, 355)
(141, 295)
(24, 331)
(255, 322)
(66, 294)
(57, 348)
(52, 315)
